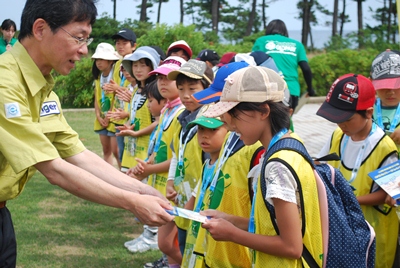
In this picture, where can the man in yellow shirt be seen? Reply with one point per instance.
(54, 35)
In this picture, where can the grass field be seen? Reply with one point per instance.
(57, 229)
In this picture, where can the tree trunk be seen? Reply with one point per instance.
(394, 20)
(159, 11)
(251, 18)
(311, 39)
(214, 15)
(115, 9)
(182, 11)
(335, 17)
(360, 23)
(307, 5)
(143, 11)
(342, 18)
(264, 17)
(306, 18)
(389, 21)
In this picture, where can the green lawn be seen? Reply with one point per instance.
(57, 229)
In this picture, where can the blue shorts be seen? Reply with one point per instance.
(105, 132)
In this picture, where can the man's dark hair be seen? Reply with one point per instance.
(56, 13)
(7, 24)
(276, 27)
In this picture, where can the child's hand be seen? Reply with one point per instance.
(220, 229)
(103, 121)
(118, 114)
(151, 159)
(142, 169)
(390, 201)
(123, 94)
(130, 172)
(110, 87)
(127, 131)
(215, 214)
(395, 136)
(171, 193)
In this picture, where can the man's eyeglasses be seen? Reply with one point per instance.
(79, 40)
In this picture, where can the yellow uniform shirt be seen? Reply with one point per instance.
(23, 89)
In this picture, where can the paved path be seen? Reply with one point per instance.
(313, 129)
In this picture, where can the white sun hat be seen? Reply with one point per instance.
(105, 51)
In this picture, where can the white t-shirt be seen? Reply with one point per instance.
(280, 182)
(353, 148)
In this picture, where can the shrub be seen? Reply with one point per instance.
(328, 66)
(76, 89)
(163, 35)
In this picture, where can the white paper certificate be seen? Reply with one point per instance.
(187, 214)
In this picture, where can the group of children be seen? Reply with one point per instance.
(198, 135)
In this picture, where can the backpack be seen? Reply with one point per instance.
(348, 239)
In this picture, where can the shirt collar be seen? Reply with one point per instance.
(34, 79)
(171, 104)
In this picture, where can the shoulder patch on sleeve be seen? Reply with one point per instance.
(12, 110)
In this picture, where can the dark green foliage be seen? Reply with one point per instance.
(163, 35)
(329, 66)
(76, 89)
(105, 27)
(338, 57)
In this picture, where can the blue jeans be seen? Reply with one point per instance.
(181, 239)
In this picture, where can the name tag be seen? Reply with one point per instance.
(48, 108)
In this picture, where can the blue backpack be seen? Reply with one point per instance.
(348, 239)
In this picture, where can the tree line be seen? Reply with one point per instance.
(218, 19)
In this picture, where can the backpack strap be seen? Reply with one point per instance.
(290, 144)
(295, 145)
(328, 157)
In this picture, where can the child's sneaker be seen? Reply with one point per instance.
(160, 263)
(132, 242)
(149, 241)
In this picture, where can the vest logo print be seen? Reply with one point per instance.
(48, 108)
(12, 110)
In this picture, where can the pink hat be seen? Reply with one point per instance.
(172, 63)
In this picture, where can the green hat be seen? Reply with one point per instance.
(211, 123)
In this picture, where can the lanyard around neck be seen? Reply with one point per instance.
(275, 138)
(209, 170)
(105, 80)
(137, 97)
(225, 155)
(360, 154)
(182, 147)
(152, 141)
(210, 179)
(165, 117)
(394, 120)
